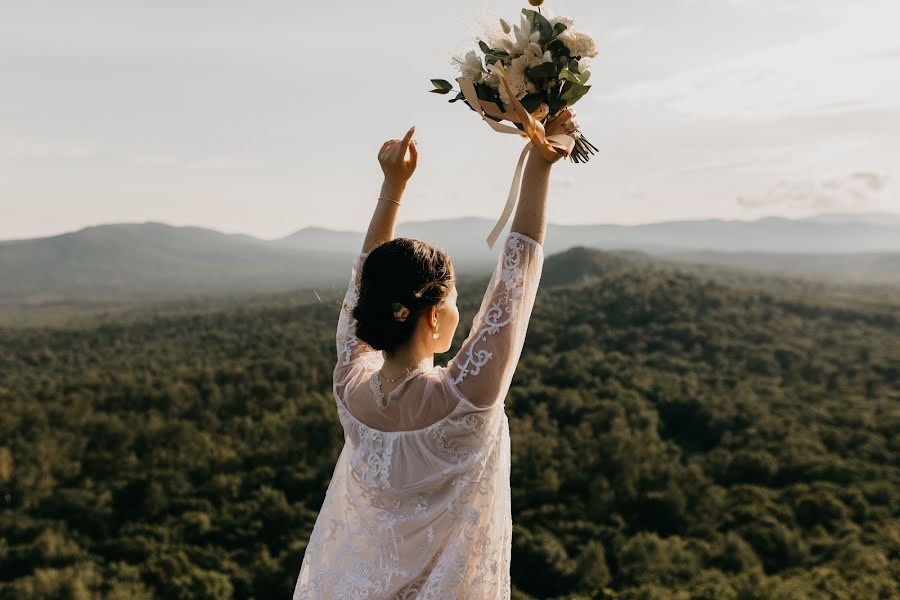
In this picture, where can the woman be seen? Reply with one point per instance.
(419, 503)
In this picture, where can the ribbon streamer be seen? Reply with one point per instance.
(550, 146)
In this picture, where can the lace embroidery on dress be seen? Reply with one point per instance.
(347, 333)
(502, 309)
(375, 451)
(425, 513)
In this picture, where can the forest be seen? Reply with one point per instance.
(674, 435)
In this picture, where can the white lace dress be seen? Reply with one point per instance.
(419, 502)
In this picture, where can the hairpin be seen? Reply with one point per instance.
(400, 311)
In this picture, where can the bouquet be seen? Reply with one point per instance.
(540, 65)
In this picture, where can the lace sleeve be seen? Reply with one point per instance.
(351, 351)
(483, 368)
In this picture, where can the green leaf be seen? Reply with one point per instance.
(486, 92)
(557, 48)
(539, 23)
(542, 71)
(567, 75)
(442, 84)
(437, 91)
(532, 101)
(580, 78)
(484, 47)
(575, 93)
(573, 65)
(554, 101)
(558, 29)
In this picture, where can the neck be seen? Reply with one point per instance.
(403, 359)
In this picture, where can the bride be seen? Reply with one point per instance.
(419, 502)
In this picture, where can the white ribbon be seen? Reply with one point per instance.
(547, 144)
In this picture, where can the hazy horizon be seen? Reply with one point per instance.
(401, 222)
(256, 119)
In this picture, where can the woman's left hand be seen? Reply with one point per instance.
(392, 157)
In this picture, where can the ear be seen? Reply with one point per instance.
(433, 316)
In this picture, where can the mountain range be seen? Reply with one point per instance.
(153, 260)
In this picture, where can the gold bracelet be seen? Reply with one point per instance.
(397, 202)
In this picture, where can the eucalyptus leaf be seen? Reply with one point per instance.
(567, 75)
(554, 101)
(442, 84)
(559, 28)
(531, 102)
(539, 23)
(557, 48)
(486, 92)
(542, 71)
(575, 94)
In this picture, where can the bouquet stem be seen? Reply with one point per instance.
(583, 149)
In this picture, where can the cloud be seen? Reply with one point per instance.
(856, 191)
(874, 181)
(17, 147)
(853, 65)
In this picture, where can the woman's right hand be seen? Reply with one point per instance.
(392, 157)
(563, 123)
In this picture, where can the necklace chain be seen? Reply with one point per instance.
(398, 378)
(378, 379)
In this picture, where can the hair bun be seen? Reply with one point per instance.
(400, 280)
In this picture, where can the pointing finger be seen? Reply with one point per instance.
(405, 143)
(413, 154)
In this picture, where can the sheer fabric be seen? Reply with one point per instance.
(419, 502)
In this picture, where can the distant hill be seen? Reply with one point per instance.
(863, 267)
(157, 261)
(464, 237)
(152, 261)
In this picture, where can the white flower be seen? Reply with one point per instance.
(470, 66)
(515, 76)
(564, 20)
(579, 44)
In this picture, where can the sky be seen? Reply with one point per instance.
(266, 117)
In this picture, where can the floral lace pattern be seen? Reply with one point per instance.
(501, 311)
(425, 513)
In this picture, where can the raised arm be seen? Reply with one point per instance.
(354, 355)
(397, 171)
(483, 368)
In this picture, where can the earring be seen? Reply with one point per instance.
(435, 335)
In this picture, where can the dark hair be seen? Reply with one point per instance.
(414, 273)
